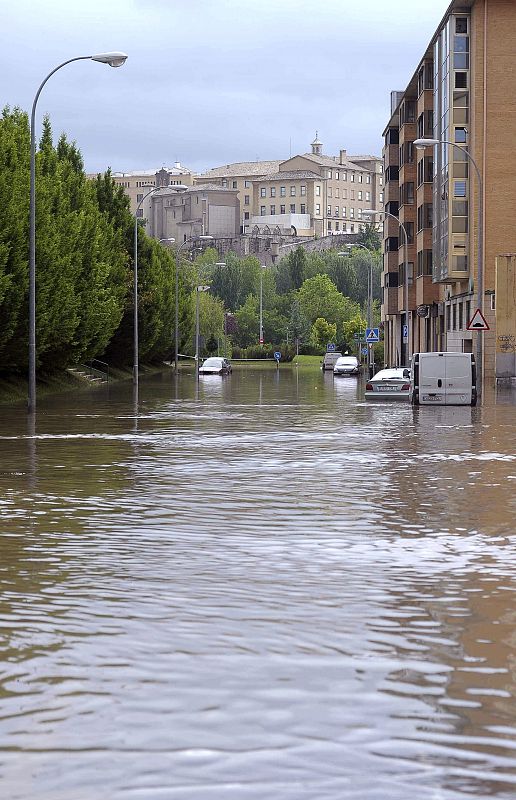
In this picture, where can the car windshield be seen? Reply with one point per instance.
(347, 361)
(213, 362)
(390, 374)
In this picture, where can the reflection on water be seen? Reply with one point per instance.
(257, 587)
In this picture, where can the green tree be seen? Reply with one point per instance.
(322, 332)
(248, 322)
(369, 237)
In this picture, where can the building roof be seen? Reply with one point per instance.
(241, 169)
(150, 173)
(333, 161)
(285, 176)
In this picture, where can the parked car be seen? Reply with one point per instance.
(443, 379)
(346, 365)
(389, 384)
(215, 366)
(329, 360)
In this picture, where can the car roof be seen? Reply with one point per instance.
(354, 359)
(213, 358)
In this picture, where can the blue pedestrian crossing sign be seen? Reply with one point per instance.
(330, 347)
(277, 355)
(372, 335)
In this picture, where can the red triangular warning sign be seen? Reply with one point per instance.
(477, 322)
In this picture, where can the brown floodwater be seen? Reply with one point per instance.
(260, 588)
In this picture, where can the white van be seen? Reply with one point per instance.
(443, 379)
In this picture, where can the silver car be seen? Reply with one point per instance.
(346, 365)
(215, 366)
(389, 384)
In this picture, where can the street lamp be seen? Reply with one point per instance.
(421, 144)
(370, 353)
(262, 267)
(198, 289)
(406, 281)
(114, 59)
(178, 263)
(135, 278)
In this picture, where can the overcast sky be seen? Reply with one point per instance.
(209, 82)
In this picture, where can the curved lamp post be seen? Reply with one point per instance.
(114, 59)
(370, 359)
(135, 280)
(262, 267)
(421, 144)
(178, 263)
(406, 281)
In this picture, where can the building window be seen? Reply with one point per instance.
(352, 194)
(459, 188)
(318, 191)
(139, 198)
(303, 208)
(352, 177)
(246, 199)
(344, 176)
(283, 191)
(381, 197)
(337, 192)
(337, 174)
(336, 211)
(329, 224)
(303, 191)
(344, 194)
(461, 80)
(273, 191)
(292, 191)
(263, 191)
(368, 195)
(318, 209)
(368, 179)
(454, 316)
(460, 135)
(360, 177)
(330, 174)
(330, 194)
(235, 185)
(352, 213)
(292, 208)
(247, 184)
(282, 209)
(139, 212)
(360, 195)
(344, 227)
(262, 210)
(461, 25)
(273, 209)
(328, 211)
(343, 211)
(352, 229)
(246, 214)
(337, 226)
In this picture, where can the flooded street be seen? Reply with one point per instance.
(261, 589)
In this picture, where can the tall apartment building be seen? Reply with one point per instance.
(462, 94)
(306, 195)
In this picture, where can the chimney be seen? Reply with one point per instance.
(177, 165)
(342, 156)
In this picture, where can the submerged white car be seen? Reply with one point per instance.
(346, 365)
(215, 366)
(389, 384)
